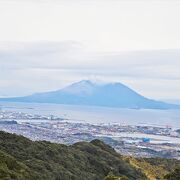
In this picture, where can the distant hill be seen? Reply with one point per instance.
(21, 158)
(93, 94)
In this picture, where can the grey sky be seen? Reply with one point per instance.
(45, 45)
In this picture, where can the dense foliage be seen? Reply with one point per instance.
(21, 158)
(173, 175)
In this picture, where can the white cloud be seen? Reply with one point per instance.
(61, 41)
(102, 25)
(32, 67)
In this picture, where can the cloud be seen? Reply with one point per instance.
(103, 25)
(62, 41)
(33, 67)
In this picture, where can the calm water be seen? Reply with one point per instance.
(100, 114)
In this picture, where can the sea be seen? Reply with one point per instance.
(100, 115)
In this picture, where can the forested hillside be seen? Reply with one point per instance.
(21, 158)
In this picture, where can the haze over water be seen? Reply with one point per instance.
(87, 114)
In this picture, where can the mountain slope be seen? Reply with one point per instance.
(92, 94)
(10, 168)
(83, 160)
(55, 161)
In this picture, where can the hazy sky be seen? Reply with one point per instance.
(46, 44)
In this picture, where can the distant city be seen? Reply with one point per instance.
(138, 141)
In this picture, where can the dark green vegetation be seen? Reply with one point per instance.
(174, 175)
(23, 159)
